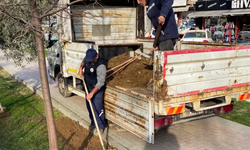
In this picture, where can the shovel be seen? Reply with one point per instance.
(97, 127)
(151, 61)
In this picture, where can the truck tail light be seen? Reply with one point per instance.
(224, 109)
(205, 41)
(162, 121)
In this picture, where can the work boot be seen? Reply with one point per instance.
(91, 127)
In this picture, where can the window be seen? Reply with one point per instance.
(53, 32)
(53, 36)
(190, 35)
(195, 35)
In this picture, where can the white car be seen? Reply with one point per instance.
(197, 36)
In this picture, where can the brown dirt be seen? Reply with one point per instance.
(73, 136)
(4, 114)
(137, 74)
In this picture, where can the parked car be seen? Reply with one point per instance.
(197, 36)
(243, 37)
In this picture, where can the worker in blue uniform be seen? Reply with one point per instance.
(161, 12)
(94, 76)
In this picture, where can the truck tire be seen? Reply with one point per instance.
(63, 86)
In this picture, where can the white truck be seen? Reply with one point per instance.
(200, 79)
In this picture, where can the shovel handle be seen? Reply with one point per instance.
(155, 43)
(157, 36)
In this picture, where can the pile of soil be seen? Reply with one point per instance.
(73, 136)
(136, 74)
(4, 114)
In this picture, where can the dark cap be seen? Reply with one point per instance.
(90, 55)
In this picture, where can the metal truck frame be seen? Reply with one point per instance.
(186, 82)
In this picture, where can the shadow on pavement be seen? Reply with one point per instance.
(163, 136)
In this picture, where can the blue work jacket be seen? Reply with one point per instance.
(164, 8)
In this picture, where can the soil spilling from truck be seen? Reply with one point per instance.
(136, 74)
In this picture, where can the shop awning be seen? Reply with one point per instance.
(181, 9)
(237, 12)
(208, 13)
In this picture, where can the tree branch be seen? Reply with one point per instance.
(15, 18)
(61, 9)
(21, 20)
(51, 7)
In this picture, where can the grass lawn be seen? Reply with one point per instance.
(24, 126)
(240, 114)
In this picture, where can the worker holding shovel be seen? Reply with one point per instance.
(94, 77)
(162, 16)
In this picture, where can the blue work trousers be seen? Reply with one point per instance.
(97, 103)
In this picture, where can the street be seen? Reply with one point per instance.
(212, 133)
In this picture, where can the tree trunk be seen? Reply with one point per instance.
(36, 22)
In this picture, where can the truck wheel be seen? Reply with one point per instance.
(63, 86)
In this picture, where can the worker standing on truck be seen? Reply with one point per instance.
(94, 76)
(161, 12)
